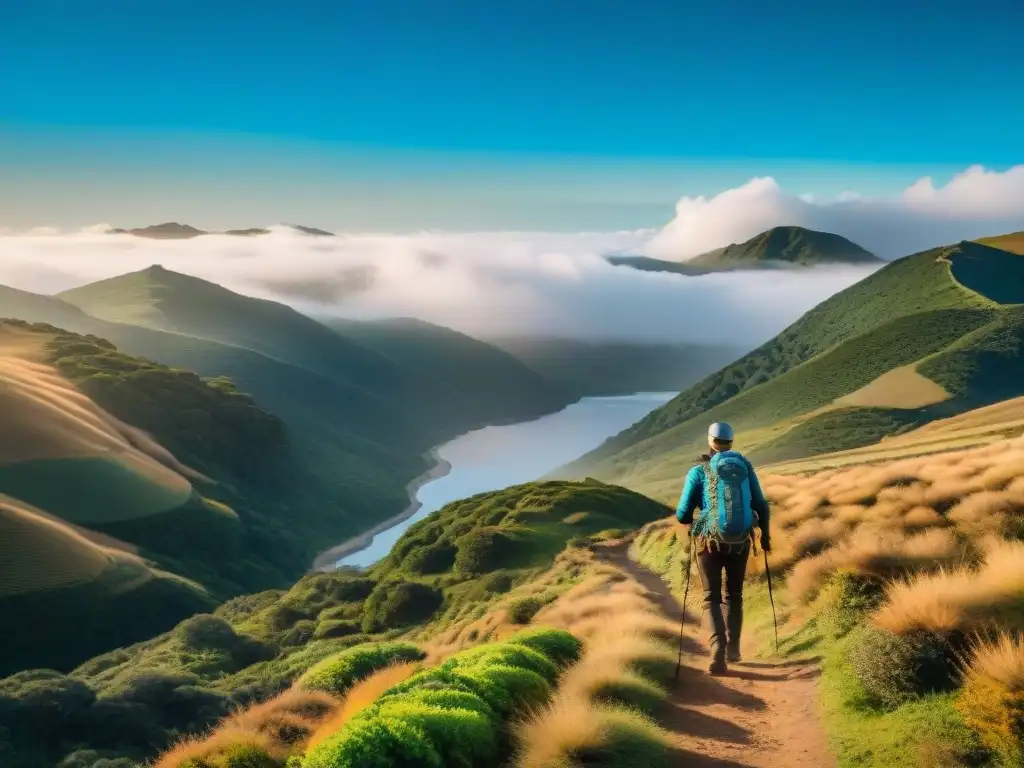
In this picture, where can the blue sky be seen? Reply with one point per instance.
(554, 114)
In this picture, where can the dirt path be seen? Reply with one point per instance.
(763, 714)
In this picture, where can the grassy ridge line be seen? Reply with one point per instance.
(810, 385)
(882, 310)
(915, 284)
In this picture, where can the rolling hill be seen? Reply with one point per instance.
(359, 423)
(779, 247)
(945, 325)
(426, 397)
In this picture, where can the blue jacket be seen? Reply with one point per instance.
(694, 496)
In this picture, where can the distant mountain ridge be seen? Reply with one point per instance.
(778, 247)
(927, 336)
(172, 230)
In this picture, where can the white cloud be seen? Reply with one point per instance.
(975, 203)
(485, 284)
(496, 283)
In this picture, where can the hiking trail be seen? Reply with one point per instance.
(763, 714)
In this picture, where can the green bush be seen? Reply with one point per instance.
(509, 654)
(482, 550)
(339, 672)
(300, 634)
(436, 558)
(454, 715)
(206, 632)
(559, 646)
(852, 595)
(523, 610)
(350, 590)
(894, 669)
(400, 603)
(336, 628)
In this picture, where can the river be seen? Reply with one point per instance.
(492, 458)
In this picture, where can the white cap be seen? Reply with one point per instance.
(720, 431)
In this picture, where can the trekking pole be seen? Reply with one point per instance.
(682, 620)
(775, 621)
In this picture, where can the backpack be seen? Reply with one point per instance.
(727, 516)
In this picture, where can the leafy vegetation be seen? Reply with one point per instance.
(338, 673)
(455, 714)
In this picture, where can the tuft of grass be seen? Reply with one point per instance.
(963, 600)
(575, 732)
(361, 695)
(992, 699)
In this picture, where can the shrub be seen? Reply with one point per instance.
(850, 597)
(482, 551)
(992, 699)
(509, 654)
(372, 742)
(557, 644)
(336, 628)
(300, 634)
(349, 590)
(338, 673)
(523, 610)
(437, 558)
(893, 669)
(450, 715)
(206, 632)
(400, 603)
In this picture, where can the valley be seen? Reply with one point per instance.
(500, 515)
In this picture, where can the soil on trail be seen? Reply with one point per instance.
(762, 714)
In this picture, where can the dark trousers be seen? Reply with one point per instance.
(724, 631)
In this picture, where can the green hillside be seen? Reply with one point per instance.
(590, 368)
(160, 299)
(790, 245)
(487, 379)
(948, 314)
(773, 248)
(455, 565)
(360, 423)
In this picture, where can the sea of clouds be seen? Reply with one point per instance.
(508, 283)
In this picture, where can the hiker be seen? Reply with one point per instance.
(724, 489)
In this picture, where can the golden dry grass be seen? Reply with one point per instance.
(962, 599)
(623, 632)
(41, 553)
(46, 417)
(901, 387)
(360, 696)
(279, 726)
(992, 699)
(222, 740)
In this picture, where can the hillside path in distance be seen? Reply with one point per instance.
(763, 714)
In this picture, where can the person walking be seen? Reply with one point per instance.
(726, 496)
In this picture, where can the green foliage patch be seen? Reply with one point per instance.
(340, 672)
(455, 714)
